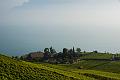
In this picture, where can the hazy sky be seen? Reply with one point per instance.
(30, 25)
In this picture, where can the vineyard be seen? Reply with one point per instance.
(99, 75)
(19, 70)
(11, 69)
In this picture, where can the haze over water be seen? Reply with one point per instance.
(32, 25)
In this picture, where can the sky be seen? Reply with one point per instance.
(32, 25)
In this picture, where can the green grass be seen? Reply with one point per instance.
(99, 75)
(91, 70)
(20, 70)
(107, 66)
(97, 56)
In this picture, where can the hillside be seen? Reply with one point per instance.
(19, 70)
(107, 66)
(96, 55)
(98, 61)
(99, 75)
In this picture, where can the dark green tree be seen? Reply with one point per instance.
(46, 50)
(46, 54)
(65, 50)
(84, 51)
(52, 51)
(78, 50)
(70, 51)
(73, 49)
(13, 57)
(95, 51)
(16, 57)
(21, 58)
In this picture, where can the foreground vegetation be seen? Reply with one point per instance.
(11, 69)
(99, 75)
(20, 70)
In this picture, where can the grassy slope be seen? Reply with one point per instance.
(101, 65)
(99, 75)
(97, 56)
(19, 70)
(109, 66)
(92, 68)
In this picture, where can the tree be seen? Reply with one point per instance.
(78, 50)
(21, 58)
(52, 51)
(46, 54)
(73, 50)
(65, 50)
(95, 51)
(70, 51)
(46, 50)
(16, 57)
(13, 57)
(84, 51)
(65, 55)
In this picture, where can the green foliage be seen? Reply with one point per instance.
(20, 70)
(46, 50)
(99, 75)
(65, 50)
(107, 66)
(78, 50)
(52, 51)
(12, 69)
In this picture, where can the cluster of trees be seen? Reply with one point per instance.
(49, 50)
(66, 56)
(50, 55)
(18, 58)
(65, 50)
